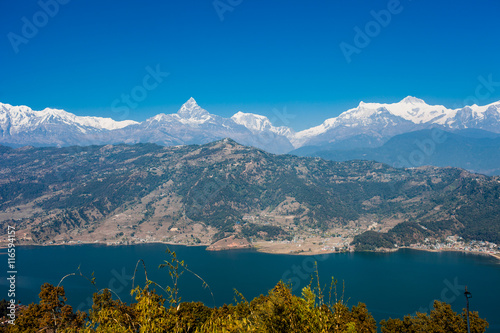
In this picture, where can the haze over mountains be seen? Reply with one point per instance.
(474, 150)
(367, 125)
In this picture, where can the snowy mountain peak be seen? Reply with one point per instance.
(191, 103)
(375, 122)
(253, 122)
(412, 100)
(20, 119)
(259, 124)
(191, 109)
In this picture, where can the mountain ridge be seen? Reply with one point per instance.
(199, 194)
(378, 122)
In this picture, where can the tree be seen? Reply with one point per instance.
(442, 319)
(52, 314)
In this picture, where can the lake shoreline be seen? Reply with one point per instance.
(267, 249)
(494, 255)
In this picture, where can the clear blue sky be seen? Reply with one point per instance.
(251, 55)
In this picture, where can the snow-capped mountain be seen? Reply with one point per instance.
(258, 124)
(195, 125)
(20, 125)
(369, 124)
(191, 111)
(383, 121)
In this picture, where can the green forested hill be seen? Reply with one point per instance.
(224, 188)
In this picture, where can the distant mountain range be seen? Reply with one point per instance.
(367, 125)
(371, 124)
(20, 126)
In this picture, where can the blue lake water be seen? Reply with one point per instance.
(391, 285)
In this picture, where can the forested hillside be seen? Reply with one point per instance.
(201, 194)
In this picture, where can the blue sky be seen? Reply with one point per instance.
(256, 56)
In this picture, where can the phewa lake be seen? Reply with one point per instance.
(390, 284)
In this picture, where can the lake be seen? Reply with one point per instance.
(391, 284)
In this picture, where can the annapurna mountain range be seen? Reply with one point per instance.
(367, 125)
